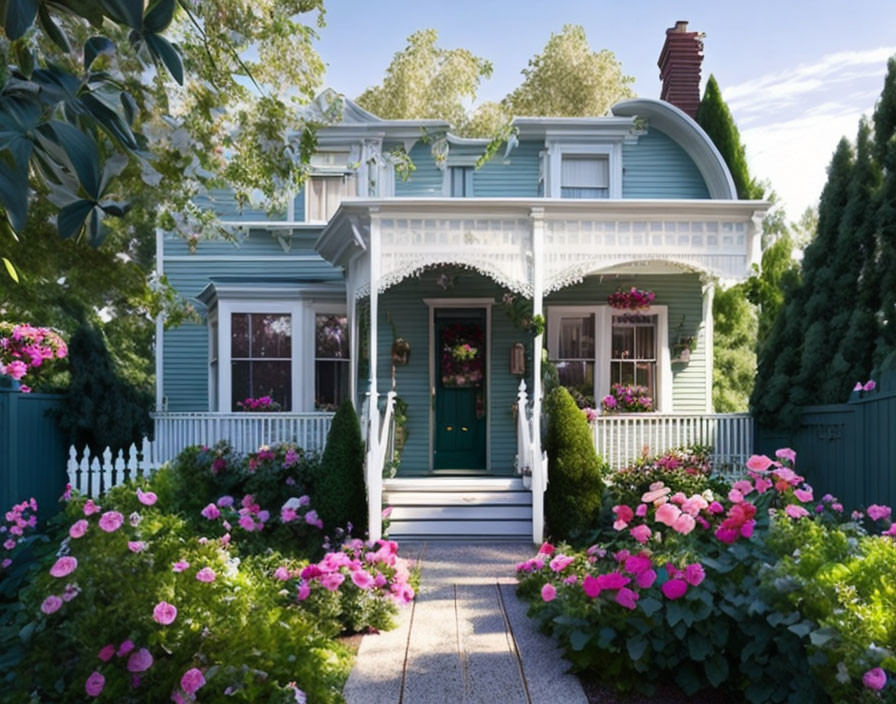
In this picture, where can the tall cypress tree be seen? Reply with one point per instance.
(715, 118)
(885, 216)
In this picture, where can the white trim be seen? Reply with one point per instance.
(557, 149)
(160, 327)
(313, 308)
(603, 333)
(213, 379)
(708, 325)
(438, 303)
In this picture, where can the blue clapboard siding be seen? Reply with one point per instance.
(657, 167)
(426, 179)
(255, 242)
(185, 356)
(514, 177)
(405, 304)
(223, 202)
(683, 294)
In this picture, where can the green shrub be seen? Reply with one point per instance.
(573, 496)
(339, 490)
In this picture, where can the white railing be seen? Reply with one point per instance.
(531, 462)
(379, 444)
(621, 439)
(246, 432)
(94, 473)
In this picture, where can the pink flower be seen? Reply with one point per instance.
(571, 579)
(140, 661)
(655, 494)
(6, 563)
(641, 511)
(548, 592)
(735, 497)
(94, 684)
(164, 613)
(51, 604)
(645, 579)
(225, 501)
(743, 486)
(627, 598)
(763, 485)
(684, 524)
(147, 498)
(875, 679)
(694, 574)
(759, 463)
(795, 511)
(674, 588)
(785, 453)
(9, 544)
(136, 545)
(91, 508)
(180, 566)
(78, 529)
(803, 495)
(246, 523)
(106, 653)
(641, 533)
(63, 567)
(281, 573)
(125, 647)
(612, 580)
(546, 549)
(111, 521)
(636, 564)
(560, 563)
(590, 586)
(211, 512)
(746, 530)
(667, 513)
(206, 574)
(304, 591)
(870, 385)
(858, 386)
(332, 580)
(876, 512)
(192, 681)
(362, 579)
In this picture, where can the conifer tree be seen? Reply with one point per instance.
(885, 216)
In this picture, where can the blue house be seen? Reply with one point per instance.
(414, 295)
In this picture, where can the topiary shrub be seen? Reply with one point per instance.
(339, 490)
(575, 489)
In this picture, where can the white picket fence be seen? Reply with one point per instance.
(622, 439)
(92, 474)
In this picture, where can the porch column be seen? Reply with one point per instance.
(538, 484)
(374, 468)
(354, 346)
(709, 291)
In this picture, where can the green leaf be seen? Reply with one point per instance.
(636, 647)
(716, 669)
(129, 12)
(83, 154)
(821, 636)
(14, 197)
(52, 29)
(71, 218)
(605, 636)
(10, 269)
(760, 691)
(699, 647)
(162, 49)
(159, 15)
(20, 16)
(674, 613)
(687, 679)
(27, 631)
(801, 629)
(649, 605)
(579, 639)
(96, 46)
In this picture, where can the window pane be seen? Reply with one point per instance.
(578, 378)
(256, 379)
(459, 181)
(623, 342)
(585, 172)
(645, 346)
(331, 384)
(239, 335)
(271, 335)
(622, 373)
(331, 336)
(576, 192)
(645, 372)
(576, 338)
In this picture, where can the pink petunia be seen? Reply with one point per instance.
(645, 579)
(211, 512)
(147, 498)
(743, 486)
(78, 529)
(560, 563)
(164, 613)
(111, 521)
(107, 653)
(140, 661)
(51, 604)
(876, 512)
(63, 567)
(636, 564)
(91, 508)
(192, 681)
(641, 511)
(763, 485)
(94, 684)
(206, 574)
(735, 497)
(548, 592)
(362, 579)
(627, 598)
(803, 495)
(304, 591)
(136, 545)
(667, 514)
(590, 586)
(684, 524)
(795, 511)
(281, 574)
(180, 566)
(785, 453)
(125, 647)
(674, 588)
(641, 533)
(875, 679)
(332, 581)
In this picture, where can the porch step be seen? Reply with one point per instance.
(468, 507)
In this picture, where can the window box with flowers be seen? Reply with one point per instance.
(627, 398)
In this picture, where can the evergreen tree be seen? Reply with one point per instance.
(885, 216)
(101, 409)
(715, 118)
(339, 493)
(734, 358)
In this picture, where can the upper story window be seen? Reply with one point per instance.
(461, 184)
(331, 181)
(261, 357)
(584, 176)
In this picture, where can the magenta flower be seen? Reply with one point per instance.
(64, 566)
(106, 653)
(78, 529)
(590, 586)
(140, 661)
(94, 684)
(192, 681)
(125, 647)
(304, 591)
(875, 679)
(91, 508)
(612, 580)
(548, 592)
(674, 588)
(206, 574)
(9, 544)
(332, 580)
(164, 613)
(694, 574)
(111, 521)
(211, 512)
(136, 545)
(645, 579)
(870, 385)
(281, 573)
(51, 604)
(636, 564)
(546, 549)
(627, 598)
(877, 512)
(180, 566)
(147, 498)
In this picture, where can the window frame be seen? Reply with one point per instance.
(603, 334)
(556, 150)
(345, 176)
(314, 309)
(584, 157)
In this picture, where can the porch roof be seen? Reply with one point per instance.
(497, 237)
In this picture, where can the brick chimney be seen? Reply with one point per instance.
(679, 64)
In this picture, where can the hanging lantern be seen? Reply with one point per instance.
(518, 359)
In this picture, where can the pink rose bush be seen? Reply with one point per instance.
(16, 532)
(26, 352)
(703, 581)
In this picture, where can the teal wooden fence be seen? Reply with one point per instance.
(848, 449)
(33, 451)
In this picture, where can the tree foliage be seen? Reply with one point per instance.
(339, 487)
(734, 356)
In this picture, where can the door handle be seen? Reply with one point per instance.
(449, 428)
(463, 429)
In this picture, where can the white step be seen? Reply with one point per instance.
(462, 484)
(419, 529)
(461, 513)
(437, 498)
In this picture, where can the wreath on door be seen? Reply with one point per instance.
(462, 356)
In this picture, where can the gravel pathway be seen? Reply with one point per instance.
(465, 639)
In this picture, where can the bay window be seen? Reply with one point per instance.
(331, 360)
(261, 357)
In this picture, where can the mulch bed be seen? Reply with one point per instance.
(598, 693)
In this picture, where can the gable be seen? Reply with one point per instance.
(658, 167)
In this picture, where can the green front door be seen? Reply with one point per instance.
(460, 386)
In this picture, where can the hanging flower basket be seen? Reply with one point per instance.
(462, 362)
(633, 299)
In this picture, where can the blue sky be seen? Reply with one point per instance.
(797, 75)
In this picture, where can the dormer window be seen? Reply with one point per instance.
(461, 181)
(585, 176)
(331, 181)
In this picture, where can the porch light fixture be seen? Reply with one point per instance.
(518, 359)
